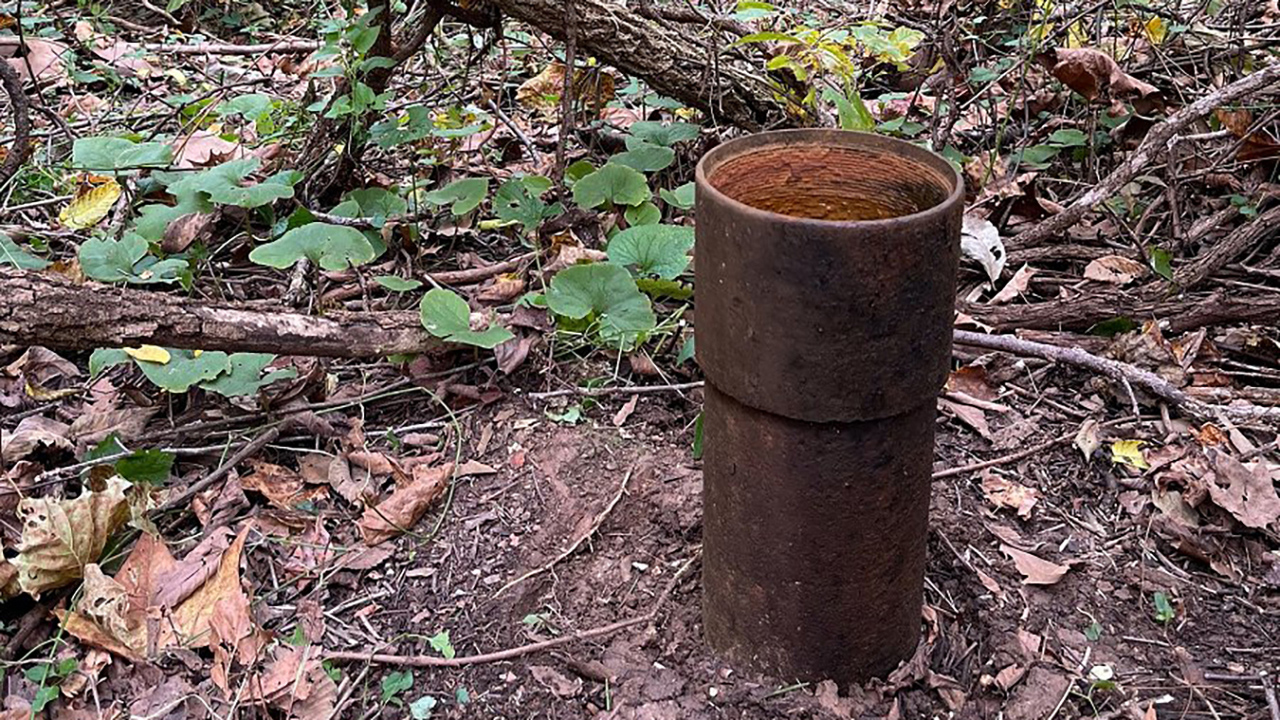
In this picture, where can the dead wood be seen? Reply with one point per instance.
(49, 310)
(1181, 312)
(641, 47)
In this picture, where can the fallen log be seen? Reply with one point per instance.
(50, 310)
(1182, 312)
(639, 46)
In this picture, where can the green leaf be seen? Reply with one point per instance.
(245, 376)
(103, 358)
(686, 350)
(1113, 327)
(12, 253)
(767, 37)
(184, 369)
(414, 125)
(572, 415)
(656, 133)
(106, 154)
(66, 666)
(440, 643)
(1093, 632)
(1164, 609)
(1037, 157)
(462, 696)
(421, 708)
(644, 214)
(110, 445)
(332, 247)
(146, 466)
(122, 260)
(466, 195)
(697, 438)
(1161, 261)
(517, 200)
(655, 288)
(39, 674)
(681, 197)
(397, 284)
(577, 171)
(661, 250)
(44, 696)
(1069, 137)
(224, 184)
(645, 157)
(853, 113)
(446, 315)
(251, 106)
(395, 683)
(607, 293)
(612, 183)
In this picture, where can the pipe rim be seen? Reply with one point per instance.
(747, 144)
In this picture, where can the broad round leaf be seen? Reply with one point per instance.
(613, 183)
(11, 253)
(446, 315)
(245, 375)
(661, 250)
(332, 247)
(607, 292)
(645, 157)
(466, 195)
(184, 369)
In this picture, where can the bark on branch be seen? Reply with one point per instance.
(47, 309)
(639, 46)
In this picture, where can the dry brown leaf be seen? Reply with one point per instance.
(504, 289)
(1092, 72)
(969, 415)
(192, 618)
(184, 577)
(33, 432)
(61, 537)
(1249, 493)
(1257, 145)
(512, 353)
(185, 230)
(140, 574)
(1016, 286)
(991, 585)
(1005, 493)
(472, 467)
(620, 418)
(203, 149)
(542, 91)
(972, 380)
(354, 491)
(1115, 269)
(281, 486)
(1035, 570)
(233, 634)
(126, 58)
(105, 619)
(295, 682)
(101, 420)
(374, 462)
(43, 62)
(406, 505)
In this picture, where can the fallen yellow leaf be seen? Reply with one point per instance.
(90, 205)
(1156, 29)
(150, 353)
(1129, 452)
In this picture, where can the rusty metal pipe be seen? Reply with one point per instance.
(826, 274)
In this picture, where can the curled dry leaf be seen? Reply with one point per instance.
(1035, 570)
(1092, 73)
(1016, 286)
(1002, 492)
(504, 289)
(281, 486)
(185, 230)
(191, 620)
(203, 149)
(61, 537)
(295, 682)
(1115, 269)
(106, 619)
(1248, 493)
(405, 507)
(1257, 145)
(33, 432)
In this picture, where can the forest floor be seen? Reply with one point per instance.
(499, 514)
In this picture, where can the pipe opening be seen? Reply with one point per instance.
(831, 182)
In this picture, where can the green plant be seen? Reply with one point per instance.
(394, 684)
(440, 643)
(1164, 608)
(49, 677)
(604, 298)
(177, 371)
(446, 315)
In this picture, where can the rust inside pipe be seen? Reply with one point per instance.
(826, 266)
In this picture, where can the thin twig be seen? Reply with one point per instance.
(182, 498)
(632, 390)
(595, 525)
(1021, 454)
